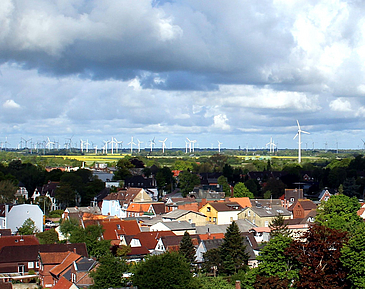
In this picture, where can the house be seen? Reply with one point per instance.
(291, 196)
(16, 215)
(195, 218)
(63, 283)
(177, 227)
(172, 243)
(324, 195)
(140, 182)
(204, 246)
(18, 240)
(21, 259)
(79, 272)
(301, 208)
(116, 204)
(21, 191)
(221, 212)
(53, 264)
(47, 190)
(149, 209)
(214, 192)
(263, 216)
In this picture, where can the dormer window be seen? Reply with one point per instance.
(118, 227)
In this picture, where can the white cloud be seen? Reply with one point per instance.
(340, 104)
(220, 122)
(10, 104)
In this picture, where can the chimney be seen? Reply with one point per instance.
(238, 284)
(75, 252)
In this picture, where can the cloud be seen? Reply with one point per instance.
(340, 105)
(220, 122)
(10, 104)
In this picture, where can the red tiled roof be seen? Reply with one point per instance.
(115, 227)
(53, 257)
(150, 239)
(210, 236)
(226, 206)
(18, 241)
(63, 283)
(139, 207)
(67, 262)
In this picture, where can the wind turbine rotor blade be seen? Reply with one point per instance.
(298, 124)
(305, 132)
(295, 136)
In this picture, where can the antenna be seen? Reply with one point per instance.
(299, 134)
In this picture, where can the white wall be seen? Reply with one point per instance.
(19, 213)
(225, 217)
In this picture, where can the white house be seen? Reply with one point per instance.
(17, 214)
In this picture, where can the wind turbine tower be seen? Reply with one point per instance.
(299, 135)
(139, 145)
(152, 143)
(219, 146)
(131, 143)
(163, 144)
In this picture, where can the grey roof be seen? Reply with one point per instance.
(275, 210)
(152, 221)
(212, 243)
(175, 214)
(91, 210)
(243, 225)
(178, 225)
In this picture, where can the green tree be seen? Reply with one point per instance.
(91, 236)
(48, 237)
(28, 227)
(67, 226)
(276, 187)
(353, 257)
(7, 191)
(167, 271)
(187, 248)
(109, 274)
(214, 282)
(278, 227)
(233, 250)
(212, 261)
(165, 179)
(240, 191)
(222, 180)
(123, 169)
(187, 182)
(273, 262)
(340, 213)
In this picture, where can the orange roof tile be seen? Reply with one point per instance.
(209, 236)
(243, 202)
(63, 283)
(138, 207)
(67, 262)
(53, 257)
(150, 239)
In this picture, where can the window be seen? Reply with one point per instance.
(190, 221)
(210, 219)
(292, 200)
(21, 269)
(118, 227)
(266, 223)
(249, 213)
(30, 265)
(215, 220)
(208, 209)
(231, 219)
(113, 203)
(73, 277)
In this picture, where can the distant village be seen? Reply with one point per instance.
(136, 213)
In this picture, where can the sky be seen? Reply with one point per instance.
(238, 72)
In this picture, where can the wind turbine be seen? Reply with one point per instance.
(219, 146)
(189, 144)
(113, 141)
(87, 145)
(363, 144)
(163, 144)
(193, 142)
(105, 147)
(131, 143)
(139, 145)
(82, 145)
(152, 143)
(272, 145)
(299, 133)
(186, 146)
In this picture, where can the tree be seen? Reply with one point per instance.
(212, 261)
(340, 213)
(91, 236)
(28, 227)
(187, 182)
(276, 187)
(48, 237)
(240, 191)
(273, 262)
(169, 270)
(187, 248)
(7, 191)
(109, 274)
(278, 227)
(214, 282)
(123, 171)
(67, 226)
(233, 250)
(353, 257)
(222, 180)
(318, 254)
(165, 180)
